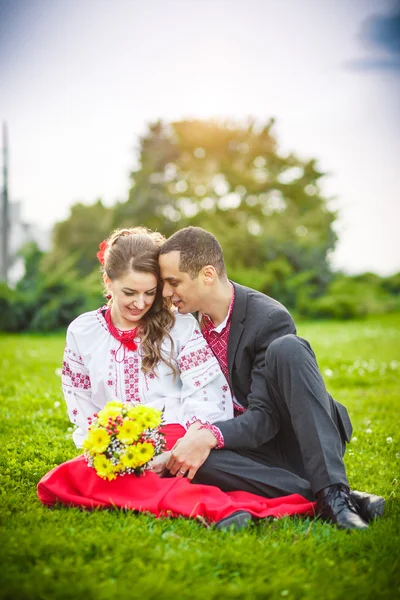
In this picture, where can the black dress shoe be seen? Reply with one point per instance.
(334, 504)
(368, 506)
(238, 520)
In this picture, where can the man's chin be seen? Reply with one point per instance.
(181, 309)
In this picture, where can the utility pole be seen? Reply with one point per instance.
(5, 217)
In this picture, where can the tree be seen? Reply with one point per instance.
(45, 299)
(265, 208)
(79, 236)
(231, 179)
(149, 201)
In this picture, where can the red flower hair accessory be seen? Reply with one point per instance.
(103, 247)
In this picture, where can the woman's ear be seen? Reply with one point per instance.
(107, 281)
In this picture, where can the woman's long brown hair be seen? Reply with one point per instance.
(137, 249)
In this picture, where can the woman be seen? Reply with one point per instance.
(137, 350)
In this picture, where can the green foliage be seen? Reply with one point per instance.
(47, 298)
(231, 179)
(105, 555)
(392, 284)
(334, 306)
(80, 236)
(8, 309)
(272, 279)
(265, 208)
(349, 297)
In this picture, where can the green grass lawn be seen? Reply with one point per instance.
(66, 553)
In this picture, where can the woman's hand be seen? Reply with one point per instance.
(159, 463)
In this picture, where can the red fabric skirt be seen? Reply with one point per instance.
(73, 483)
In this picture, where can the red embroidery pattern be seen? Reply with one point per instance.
(100, 317)
(113, 372)
(190, 422)
(73, 357)
(131, 373)
(214, 430)
(78, 380)
(216, 433)
(195, 359)
(218, 342)
(238, 409)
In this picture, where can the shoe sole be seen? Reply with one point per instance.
(235, 522)
(371, 510)
(375, 509)
(349, 527)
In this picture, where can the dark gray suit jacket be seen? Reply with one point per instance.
(256, 321)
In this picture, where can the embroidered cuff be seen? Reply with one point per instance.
(191, 421)
(206, 425)
(216, 433)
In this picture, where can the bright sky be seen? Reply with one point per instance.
(81, 79)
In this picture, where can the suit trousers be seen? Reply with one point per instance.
(305, 455)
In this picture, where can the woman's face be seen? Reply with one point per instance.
(133, 295)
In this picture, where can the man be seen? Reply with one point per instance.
(289, 434)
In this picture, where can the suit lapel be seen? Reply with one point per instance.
(237, 326)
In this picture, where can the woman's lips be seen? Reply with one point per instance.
(134, 311)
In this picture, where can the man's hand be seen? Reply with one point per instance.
(190, 452)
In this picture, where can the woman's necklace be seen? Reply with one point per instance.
(126, 338)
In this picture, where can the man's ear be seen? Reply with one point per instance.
(209, 274)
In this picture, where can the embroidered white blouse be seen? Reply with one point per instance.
(97, 369)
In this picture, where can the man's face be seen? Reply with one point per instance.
(186, 293)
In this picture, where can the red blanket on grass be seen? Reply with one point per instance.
(73, 483)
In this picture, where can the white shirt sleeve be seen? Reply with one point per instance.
(77, 389)
(205, 393)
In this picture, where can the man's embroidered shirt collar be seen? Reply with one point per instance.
(208, 322)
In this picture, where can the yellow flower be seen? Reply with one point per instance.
(129, 432)
(129, 458)
(146, 416)
(96, 441)
(118, 467)
(104, 467)
(132, 412)
(145, 452)
(116, 403)
(108, 411)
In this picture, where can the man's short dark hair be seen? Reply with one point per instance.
(198, 248)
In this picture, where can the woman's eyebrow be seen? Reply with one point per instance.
(128, 289)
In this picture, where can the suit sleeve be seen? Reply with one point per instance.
(259, 423)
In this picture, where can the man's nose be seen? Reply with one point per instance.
(167, 290)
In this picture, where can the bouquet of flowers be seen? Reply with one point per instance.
(123, 438)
